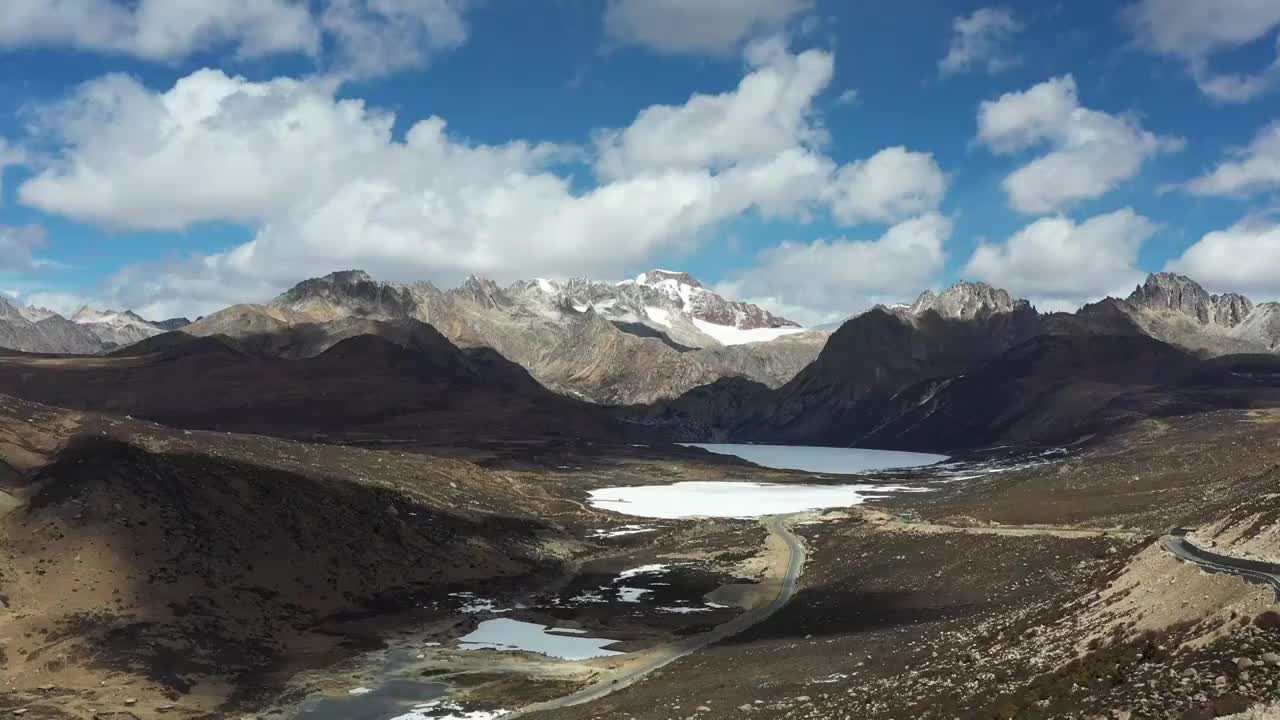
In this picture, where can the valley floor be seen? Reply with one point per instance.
(136, 579)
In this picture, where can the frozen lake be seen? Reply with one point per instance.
(821, 459)
(732, 499)
(392, 698)
(506, 634)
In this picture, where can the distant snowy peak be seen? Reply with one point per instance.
(35, 314)
(115, 327)
(673, 302)
(702, 304)
(656, 277)
(120, 318)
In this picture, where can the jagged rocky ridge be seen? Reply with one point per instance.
(88, 331)
(1176, 309)
(638, 341)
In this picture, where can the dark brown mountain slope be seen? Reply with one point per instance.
(1051, 388)
(399, 380)
(842, 395)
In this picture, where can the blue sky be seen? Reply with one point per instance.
(812, 156)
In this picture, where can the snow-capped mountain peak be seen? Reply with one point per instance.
(115, 327)
(117, 318)
(35, 314)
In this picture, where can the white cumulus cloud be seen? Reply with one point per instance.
(1091, 152)
(1252, 169)
(715, 27)
(375, 37)
(1194, 32)
(830, 279)
(770, 111)
(160, 29)
(324, 182)
(9, 155)
(1059, 263)
(893, 184)
(18, 244)
(1242, 258)
(363, 37)
(981, 41)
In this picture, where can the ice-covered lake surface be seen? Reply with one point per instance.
(732, 499)
(822, 459)
(392, 698)
(506, 634)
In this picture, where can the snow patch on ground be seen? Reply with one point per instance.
(474, 604)
(433, 709)
(588, 596)
(624, 530)
(655, 569)
(631, 595)
(732, 499)
(727, 335)
(658, 315)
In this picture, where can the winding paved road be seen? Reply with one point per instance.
(1255, 570)
(779, 526)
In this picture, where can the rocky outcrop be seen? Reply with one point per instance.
(1261, 327)
(1180, 294)
(1176, 309)
(346, 293)
(966, 301)
(172, 324)
(483, 292)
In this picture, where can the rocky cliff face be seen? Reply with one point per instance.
(1180, 294)
(1176, 309)
(346, 293)
(966, 301)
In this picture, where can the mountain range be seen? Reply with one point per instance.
(87, 332)
(637, 341)
(968, 365)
